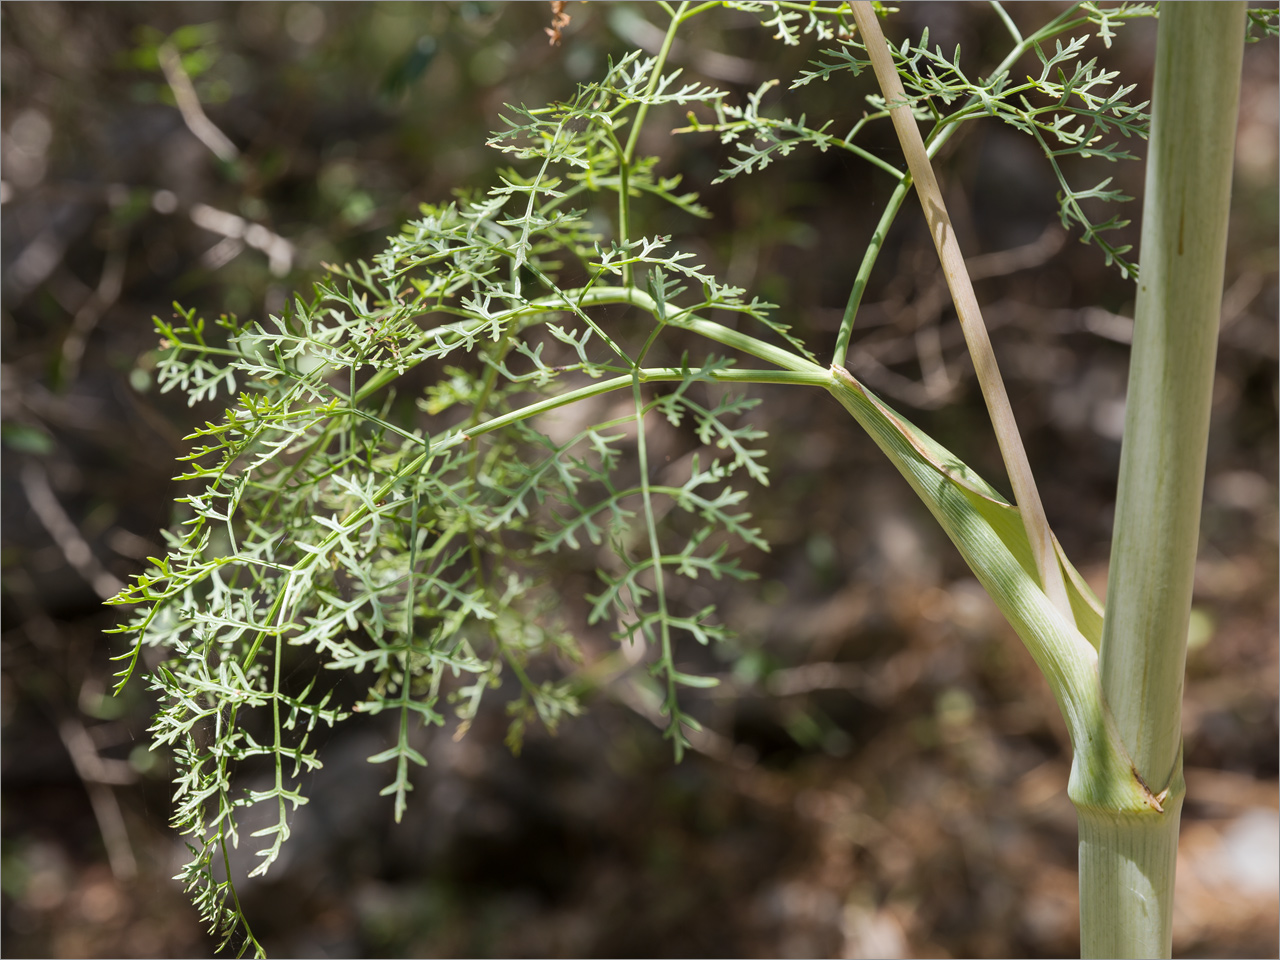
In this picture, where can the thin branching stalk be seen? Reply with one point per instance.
(1025, 491)
(935, 141)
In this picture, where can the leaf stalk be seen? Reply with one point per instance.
(970, 314)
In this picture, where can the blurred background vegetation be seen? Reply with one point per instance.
(887, 773)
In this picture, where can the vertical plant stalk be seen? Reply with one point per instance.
(975, 332)
(1127, 863)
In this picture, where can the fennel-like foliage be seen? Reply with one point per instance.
(370, 516)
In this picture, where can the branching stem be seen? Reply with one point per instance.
(966, 303)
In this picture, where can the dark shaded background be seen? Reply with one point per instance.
(887, 772)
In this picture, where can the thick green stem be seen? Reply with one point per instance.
(1127, 861)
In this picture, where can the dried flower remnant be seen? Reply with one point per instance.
(559, 20)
